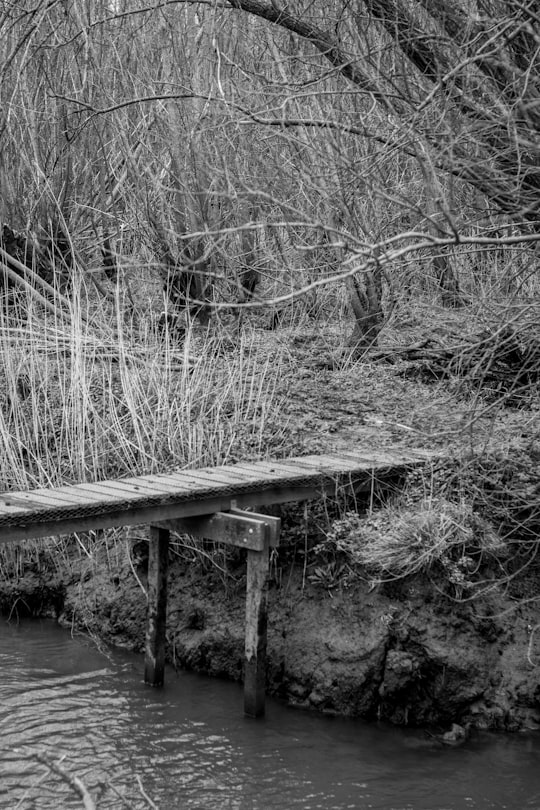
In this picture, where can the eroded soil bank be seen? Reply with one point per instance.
(405, 653)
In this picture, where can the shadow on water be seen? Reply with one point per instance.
(188, 745)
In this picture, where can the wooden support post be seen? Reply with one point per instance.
(156, 621)
(256, 623)
(258, 565)
(258, 534)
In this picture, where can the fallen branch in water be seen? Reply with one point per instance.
(73, 781)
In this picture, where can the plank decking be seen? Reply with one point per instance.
(157, 498)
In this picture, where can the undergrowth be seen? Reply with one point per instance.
(469, 526)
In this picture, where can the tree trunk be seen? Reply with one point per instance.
(365, 294)
(249, 276)
(443, 269)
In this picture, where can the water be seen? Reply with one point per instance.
(188, 746)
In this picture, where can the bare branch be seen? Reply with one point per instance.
(73, 781)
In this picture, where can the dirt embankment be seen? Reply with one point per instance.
(403, 653)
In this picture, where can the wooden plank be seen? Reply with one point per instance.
(120, 491)
(284, 475)
(262, 468)
(36, 499)
(300, 464)
(329, 464)
(156, 619)
(222, 470)
(269, 520)
(184, 483)
(167, 484)
(80, 490)
(196, 481)
(236, 478)
(225, 476)
(101, 491)
(352, 456)
(142, 491)
(109, 491)
(264, 472)
(16, 504)
(72, 494)
(307, 466)
(345, 469)
(239, 529)
(138, 488)
(384, 458)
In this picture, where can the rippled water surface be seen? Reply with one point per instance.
(188, 745)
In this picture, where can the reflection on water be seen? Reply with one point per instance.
(188, 746)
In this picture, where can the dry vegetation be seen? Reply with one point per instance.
(235, 249)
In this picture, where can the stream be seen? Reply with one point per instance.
(188, 745)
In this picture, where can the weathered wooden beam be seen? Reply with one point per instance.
(241, 529)
(256, 624)
(270, 520)
(156, 621)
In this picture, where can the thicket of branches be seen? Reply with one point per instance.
(184, 158)
(392, 143)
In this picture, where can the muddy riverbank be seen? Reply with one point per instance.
(403, 652)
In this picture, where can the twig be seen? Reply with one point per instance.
(7, 259)
(126, 802)
(38, 780)
(73, 781)
(145, 795)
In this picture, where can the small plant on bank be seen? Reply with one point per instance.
(435, 537)
(331, 575)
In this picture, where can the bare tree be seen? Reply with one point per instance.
(380, 123)
(457, 83)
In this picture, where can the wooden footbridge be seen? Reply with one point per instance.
(209, 503)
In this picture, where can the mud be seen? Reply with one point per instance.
(408, 654)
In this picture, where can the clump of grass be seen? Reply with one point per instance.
(394, 543)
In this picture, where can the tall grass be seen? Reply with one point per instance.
(93, 396)
(99, 393)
